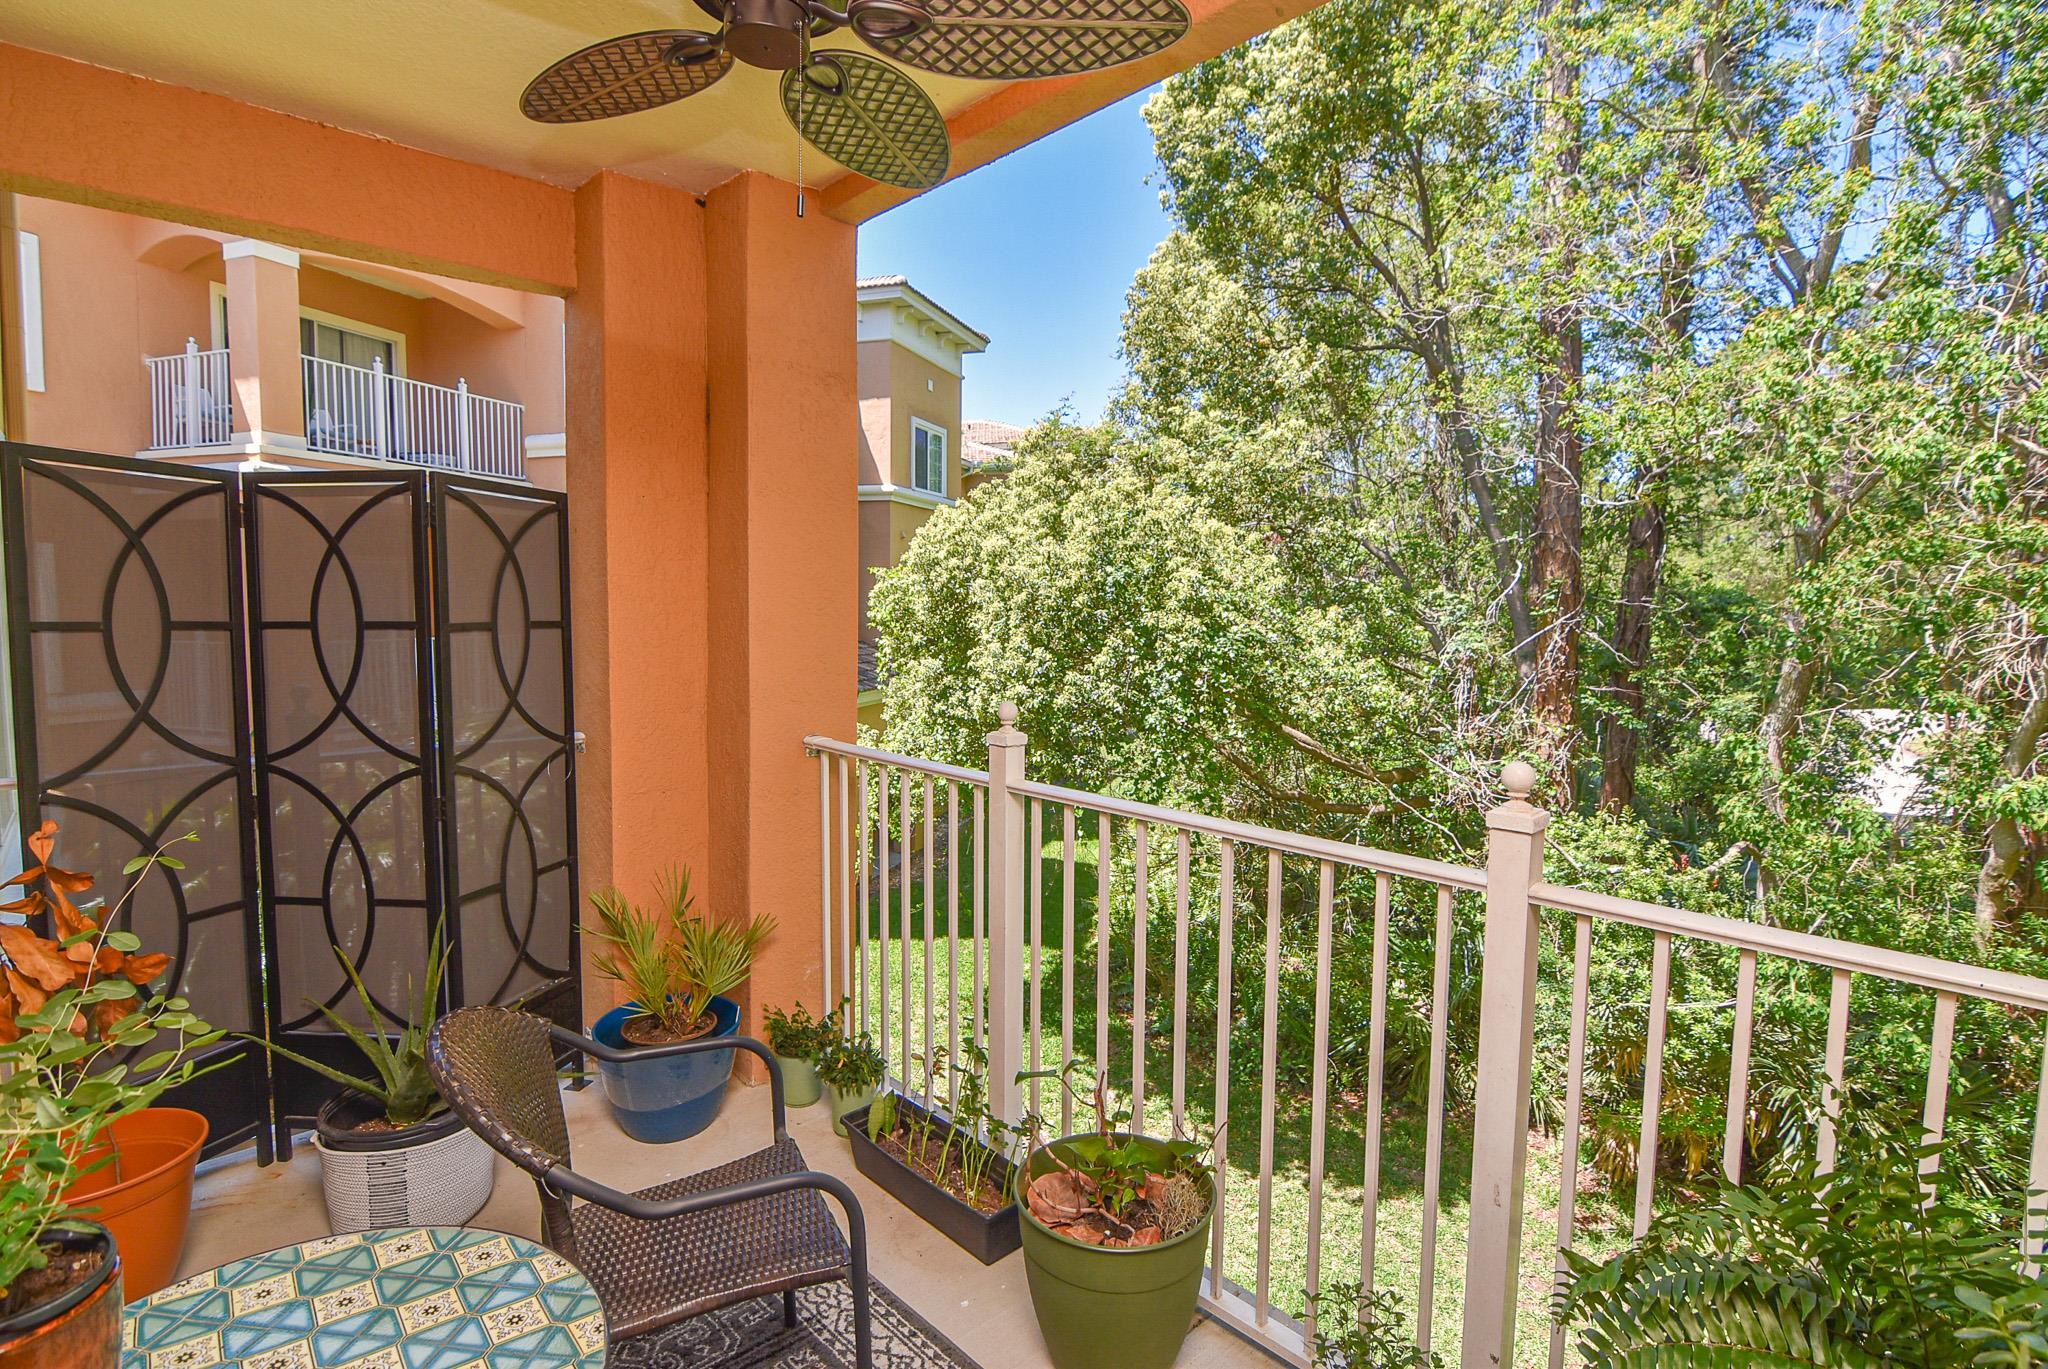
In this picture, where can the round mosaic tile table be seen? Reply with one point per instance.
(428, 1298)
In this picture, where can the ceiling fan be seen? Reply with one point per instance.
(865, 114)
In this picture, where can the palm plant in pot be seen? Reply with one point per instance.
(391, 1152)
(1114, 1226)
(679, 968)
(83, 1047)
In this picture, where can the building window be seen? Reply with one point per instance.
(31, 263)
(927, 457)
(329, 343)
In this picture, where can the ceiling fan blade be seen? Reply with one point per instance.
(870, 118)
(1015, 40)
(625, 76)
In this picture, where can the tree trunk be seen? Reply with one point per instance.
(2005, 844)
(1641, 576)
(1556, 575)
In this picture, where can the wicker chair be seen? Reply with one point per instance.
(756, 1226)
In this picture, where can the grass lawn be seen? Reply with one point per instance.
(1398, 1260)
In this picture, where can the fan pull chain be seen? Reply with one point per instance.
(803, 107)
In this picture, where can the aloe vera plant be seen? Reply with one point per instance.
(398, 1060)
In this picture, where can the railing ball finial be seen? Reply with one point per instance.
(1006, 713)
(1519, 779)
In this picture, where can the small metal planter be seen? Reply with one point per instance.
(988, 1236)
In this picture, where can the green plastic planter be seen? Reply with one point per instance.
(799, 1081)
(1110, 1309)
(844, 1102)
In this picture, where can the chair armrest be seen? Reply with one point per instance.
(641, 1209)
(615, 1056)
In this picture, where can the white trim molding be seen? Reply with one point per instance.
(543, 445)
(263, 251)
(29, 258)
(891, 309)
(903, 494)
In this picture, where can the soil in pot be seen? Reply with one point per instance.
(66, 1315)
(143, 1193)
(1146, 1292)
(648, 1030)
(981, 1220)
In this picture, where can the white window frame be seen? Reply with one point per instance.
(29, 261)
(930, 430)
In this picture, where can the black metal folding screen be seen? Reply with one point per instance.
(131, 723)
(356, 684)
(509, 750)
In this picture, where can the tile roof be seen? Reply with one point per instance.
(864, 668)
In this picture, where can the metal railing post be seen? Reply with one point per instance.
(1005, 915)
(1500, 1124)
(462, 437)
(193, 437)
(380, 408)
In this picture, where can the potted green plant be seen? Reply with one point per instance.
(70, 1005)
(391, 1152)
(951, 1167)
(679, 968)
(1114, 1226)
(797, 1038)
(851, 1069)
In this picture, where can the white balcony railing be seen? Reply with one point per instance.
(189, 398)
(365, 411)
(990, 985)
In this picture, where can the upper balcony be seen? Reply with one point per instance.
(357, 412)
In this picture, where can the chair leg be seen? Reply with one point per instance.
(789, 1308)
(863, 1331)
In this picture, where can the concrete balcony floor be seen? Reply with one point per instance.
(240, 1209)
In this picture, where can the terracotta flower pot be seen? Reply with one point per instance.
(80, 1328)
(144, 1194)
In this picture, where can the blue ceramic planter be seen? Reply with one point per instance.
(658, 1101)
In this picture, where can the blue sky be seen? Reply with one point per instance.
(1035, 250)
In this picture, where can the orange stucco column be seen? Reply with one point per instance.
(637, 541)
(784, 534)
(263, 343)
(712, 431)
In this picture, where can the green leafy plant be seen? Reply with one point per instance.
(670, 958)
(881, 1117)
(852, 1064)
(65, 1075)
(796, 1035)
(401, 1086)
(1855, 1266)
(1113, 1189)
(1377, 1336)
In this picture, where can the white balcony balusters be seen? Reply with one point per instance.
(190, 400)
(364, 411)
(1011, 837)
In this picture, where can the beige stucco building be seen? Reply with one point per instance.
(911, 354)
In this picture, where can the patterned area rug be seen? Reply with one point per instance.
(750, 1335)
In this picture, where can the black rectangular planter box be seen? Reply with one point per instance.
(988, 1236)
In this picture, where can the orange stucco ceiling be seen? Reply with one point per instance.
(444, 76)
